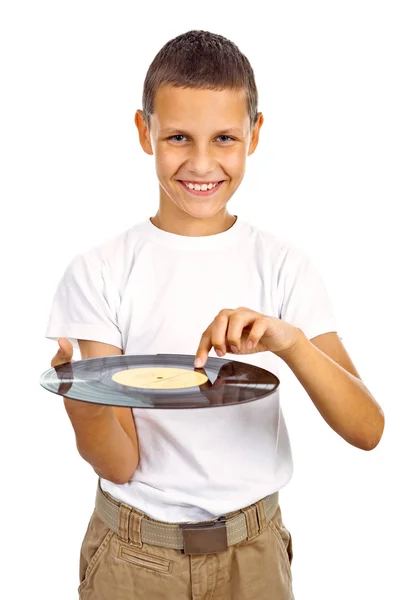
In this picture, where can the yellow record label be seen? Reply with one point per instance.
(159, 378)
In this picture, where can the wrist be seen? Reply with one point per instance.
(295, 348)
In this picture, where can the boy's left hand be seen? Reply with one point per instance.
(232, 331)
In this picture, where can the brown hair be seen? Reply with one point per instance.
(201, 60)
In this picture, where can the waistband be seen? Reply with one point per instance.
(204, 537)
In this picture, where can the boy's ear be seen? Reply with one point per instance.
(144, 136)
(255, 134)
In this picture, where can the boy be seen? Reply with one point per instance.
(171, 285)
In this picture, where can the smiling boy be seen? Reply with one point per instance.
(195, 279)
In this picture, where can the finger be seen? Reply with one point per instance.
(257, 331)
(203, 350)
(219, 332)
(234, 332)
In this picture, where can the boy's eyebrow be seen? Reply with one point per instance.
(234, 130)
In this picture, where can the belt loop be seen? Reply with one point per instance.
(261, 510)
(251, 521)
(135, 529)
(123, 522)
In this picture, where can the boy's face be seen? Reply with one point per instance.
(198, 136)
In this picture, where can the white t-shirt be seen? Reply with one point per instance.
(148, 291)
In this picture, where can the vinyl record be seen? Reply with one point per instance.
(159, 381)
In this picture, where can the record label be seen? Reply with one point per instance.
(161, 378)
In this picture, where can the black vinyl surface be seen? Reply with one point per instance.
(90, 380)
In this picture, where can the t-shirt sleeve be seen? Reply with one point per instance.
(304, 300)
(83, 307)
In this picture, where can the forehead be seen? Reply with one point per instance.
(188, 107)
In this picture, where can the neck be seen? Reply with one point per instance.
(181, 223)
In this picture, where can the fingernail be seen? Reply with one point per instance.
(198, 363)
(219, 353)
(234, 349)
(249, 345)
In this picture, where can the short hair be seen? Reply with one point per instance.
(201, 60)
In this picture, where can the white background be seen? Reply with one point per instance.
(326, 175)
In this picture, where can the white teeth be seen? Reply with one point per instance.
(203, 187)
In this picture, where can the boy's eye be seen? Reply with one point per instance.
(183, 136)
(176, 136)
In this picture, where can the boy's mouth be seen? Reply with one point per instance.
(200, 192)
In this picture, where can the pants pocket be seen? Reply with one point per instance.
(283, 536)
(144, 559)
(97, 538)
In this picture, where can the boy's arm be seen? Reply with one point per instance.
(321, 364)
(325, 370)
(106, 436)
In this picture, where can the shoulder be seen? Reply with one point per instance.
(115, 251)
(116, 247)
(281, 251)
(111, 258)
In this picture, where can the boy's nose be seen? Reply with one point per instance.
(202, 164)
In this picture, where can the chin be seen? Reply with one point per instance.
(205, 213)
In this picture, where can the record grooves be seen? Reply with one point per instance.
(159, 381)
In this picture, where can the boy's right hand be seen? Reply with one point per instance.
(64, 353)
(64, 356)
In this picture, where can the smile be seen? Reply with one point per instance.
(194, 192)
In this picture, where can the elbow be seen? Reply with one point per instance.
(371, 445)
(123, 478)
(118, 480)
(117, 476)
(373, 441)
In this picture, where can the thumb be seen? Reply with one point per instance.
(60, 350)
(64, 353)
(65, 347)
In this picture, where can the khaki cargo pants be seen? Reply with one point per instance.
(256, 569)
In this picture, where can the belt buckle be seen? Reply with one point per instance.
(208, 537)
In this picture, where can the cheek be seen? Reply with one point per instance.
(166, 162)
(234, 161)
